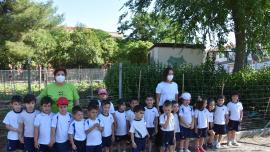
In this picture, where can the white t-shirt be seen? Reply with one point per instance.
(107, 121)
(94, 137)
(76, 129)
(211, 116)
(163, 118)
(176, 122)
(43, 122)
(121, 129)
(12, 119)
(61, 123)
(187, 113)
(167, 91)
(150, 116)
(130, 115)
(138, 127)
(112, 111)
(235, 110)
(27, 119)
(202, 118)
(219, 115)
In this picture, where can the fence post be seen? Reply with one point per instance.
(29, 75)
(120, 80)
(40, 78)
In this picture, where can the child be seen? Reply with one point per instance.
(151, 118)
(220, 120)
(42, 126)
(235, 109)
(26, 123)
(108, 130)
(138, 130)
(211, 133)
(167, 124)
(121, 129)
(76, 131)
(12, 124)
(60, 125)
(130, 113)
(176, 124)
(93, 128)
(201, 115)
(186, 114)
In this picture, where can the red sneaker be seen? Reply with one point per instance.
(198, 150)
(201, 149)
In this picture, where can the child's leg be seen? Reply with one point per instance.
(201, 142)
(197, 143)
(211, 136)
(233, 135)
(182, 144)
(187, 143)
(149, 145)
(219, 138)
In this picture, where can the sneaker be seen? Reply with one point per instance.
(218, 146)
(235, 143)
(186, 150)
(198, 150)
(182, 150)
(202, 149)
(229, 143)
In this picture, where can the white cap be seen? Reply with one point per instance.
(186, 96)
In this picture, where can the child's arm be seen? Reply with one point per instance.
(192, 123)
(132, 140)
(241, 115)
(52, 141)
(10, 128)
(156, 124)
(113, 129)
(21, 130)
(167, 121)
(36, 134)
(196, 125)
(182, 121)
(91, 128)
(70, 136)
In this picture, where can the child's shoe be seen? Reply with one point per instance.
(202, 149)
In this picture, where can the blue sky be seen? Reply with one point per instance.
(100, 14)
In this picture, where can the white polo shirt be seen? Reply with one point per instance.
(167, 91)
(138, 127)
(202, 118)
(12, 119)
(150, 116)
(187, 113)
(163, 118)
(235, 109)
(107, 121)
(130, 115)
(211, 116)
(219, 115)
(93, 138)
(27, 119)
(121, 129)
(112, 111)
(61, 123)
(76, 128)
(176, 122)
(43, 123)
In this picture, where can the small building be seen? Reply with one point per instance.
(176, 54)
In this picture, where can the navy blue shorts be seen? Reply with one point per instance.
(59, 147)
(97, 148)
(121, 138)
(107, 141)
(202, 133)
(13, 145)
(29, 144)
(140, 142)
(167, 138)
(233, 125)
(186, 133)
(220, 129)
(152, 132)
(177, 136)
(80, 146)
(43, 148)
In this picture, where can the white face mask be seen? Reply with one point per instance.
(169, 77)
(60, 78)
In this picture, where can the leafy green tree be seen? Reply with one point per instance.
(214, 19)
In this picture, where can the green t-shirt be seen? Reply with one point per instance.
(54, 91)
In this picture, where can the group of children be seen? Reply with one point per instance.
(34, 131)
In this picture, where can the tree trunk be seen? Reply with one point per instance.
(238, 15)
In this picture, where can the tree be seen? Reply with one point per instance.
(214, 19)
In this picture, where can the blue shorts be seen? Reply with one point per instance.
(43, 148)
(152, 132)
(107, 141)
(177, 136)
(167, 138)
(220, 129)
(233, 125)
(202, 133)
(59, 147)
(140, 142)
(13, 145)
(80, 146)
(97, 148)
(121, 138)
(29, 144)
(186, 133)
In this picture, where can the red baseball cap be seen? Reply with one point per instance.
(62, 101)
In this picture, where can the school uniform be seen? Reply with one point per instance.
(150, 116)
(220, 120)
(93, 138)
(76, 129)
(130, 115)
(138, 128)
(187, 113)
(13, 143)
(27, 119)
(121, 130)
(61, 124)
(177, 126)
(210, 119)
(234, 109)
(167, 133)
(112, 110)
(201, 115)
(107, 121)
(43, 123)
